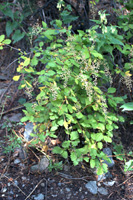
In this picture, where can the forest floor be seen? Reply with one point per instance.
(16, 180)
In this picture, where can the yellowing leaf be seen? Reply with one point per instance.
(74, 108)
(65, 124)
(41, 88)
(69, 122)
(127, 73)
(45, 148)
(16, 78)
(28, 84)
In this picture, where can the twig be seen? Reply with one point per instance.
(12, 109)
(70, 177)
(125, 181)
(35, 188)
(6, 90)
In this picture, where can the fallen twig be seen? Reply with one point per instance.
(125, 181)
(35, 188)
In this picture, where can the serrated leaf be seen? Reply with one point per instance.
(16, 78)
(101, 126)
(79, 115)
(74, 135)
(100, 145)
(66, 144)
(17, 36)
(10, 26)
(64, 154)
(57, 150)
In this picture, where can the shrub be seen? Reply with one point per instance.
(70, 91)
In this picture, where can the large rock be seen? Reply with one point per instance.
(102, 191)
(108, 152)
(92, 187)
(41, 166)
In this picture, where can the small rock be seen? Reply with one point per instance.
(92, 187)
(68, 189)
(109, 183)
(66, 168)
(54, 195)
(101, 177)
(34, 168)
(23, 178)
(16, 182)
(4, 190)
(102, 191)
(16, 161)
(16, 117)
(29, 128)
(108, 152)
(43, 164)
(59, 184)
(9, 184)
(42, 184)
(39, 197)
(108, 175)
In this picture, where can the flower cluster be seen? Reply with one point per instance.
(65, 75)
(54, 90)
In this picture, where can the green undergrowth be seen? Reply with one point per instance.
(75, 100)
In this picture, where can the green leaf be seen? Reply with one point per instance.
(57, 150)
(100, 145)
(127, 106)
(17, 36)
(74, 135)
(66, 144)
(111, 90)
(10, 27)
(26, 62)
(79, 115)
(73, 157)
(64, 154)
(44, 25)
(86, 159)
(7, 41)
(100, 170)
(34, 61)
(101, 126)
(50, 73)
(107, 139)
(54, 128)
(2, 37)
(96, 54)
(99, 137)
(92, 163)
(8, 12)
